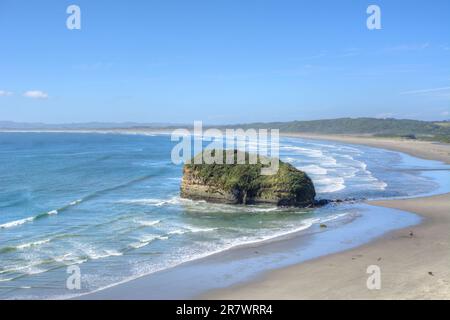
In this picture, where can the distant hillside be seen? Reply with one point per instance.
(364, 126)
(11, 125)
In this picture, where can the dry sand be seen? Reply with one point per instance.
(414, 262)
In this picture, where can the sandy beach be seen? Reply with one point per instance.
(414, 262)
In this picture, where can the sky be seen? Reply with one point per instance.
(223, 61)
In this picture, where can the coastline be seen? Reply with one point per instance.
(413, 267)
(414, 262)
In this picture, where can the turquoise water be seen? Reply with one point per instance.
(109, 204)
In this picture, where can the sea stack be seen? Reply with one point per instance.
(244, 183)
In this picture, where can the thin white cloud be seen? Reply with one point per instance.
(4, 93)
(350, 52)
(445, 113)
(425, 91)
(36, 94)
(319, 55)
(97, 66)
(407, 47)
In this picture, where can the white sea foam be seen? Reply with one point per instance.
(73, 203)
(313, 153)
(191, 229)
(19, 222)
(178, 231)
(35, 270)
(70, 259)
(142, 201)
(75, 261)
(319, 156)
(32, 244)
(304, 225)
(104, 254)
(314, 169)
(289, 160)
(372, 183)
(153, 201)
(16, 223)
(196, 229)
(333, 217)
(30, 269)
(147, 239)
(137, 245)
(336, 164)
(246, 240)
(261, 209)
(149, 223)
(329, 184)
(201, 206)
(63, 258)
(381, 185)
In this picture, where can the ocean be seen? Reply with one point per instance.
(109, 203)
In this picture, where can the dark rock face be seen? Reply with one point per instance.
(244, 184)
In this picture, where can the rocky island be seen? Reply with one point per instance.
(244, 184)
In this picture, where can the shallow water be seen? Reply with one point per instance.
(110, 204)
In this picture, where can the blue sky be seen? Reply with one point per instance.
(223, 61)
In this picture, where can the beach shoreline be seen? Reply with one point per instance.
(414, 262)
